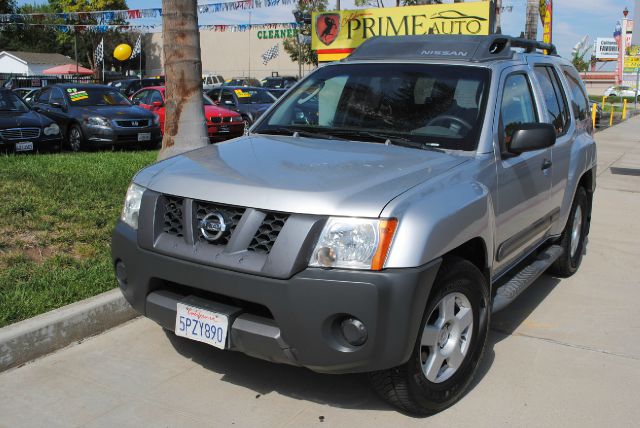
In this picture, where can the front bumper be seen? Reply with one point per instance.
(295, 320)
(40, 144)
(103, 136)
(223, 132)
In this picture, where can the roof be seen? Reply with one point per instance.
(40, 58)
(445, 47)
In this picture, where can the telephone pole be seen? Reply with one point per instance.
(531, 24)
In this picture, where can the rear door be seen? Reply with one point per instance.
(523, 216)
(58, 107)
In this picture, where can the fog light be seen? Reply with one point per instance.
(121, 274)
(354, 331)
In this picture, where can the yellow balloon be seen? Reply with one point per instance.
(122, 52)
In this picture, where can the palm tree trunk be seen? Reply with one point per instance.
(184, 128)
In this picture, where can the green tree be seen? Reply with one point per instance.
(292, 45)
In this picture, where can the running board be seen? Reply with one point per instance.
(523, 279)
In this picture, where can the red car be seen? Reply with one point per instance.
(222, 124)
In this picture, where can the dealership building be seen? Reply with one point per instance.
(232, 53)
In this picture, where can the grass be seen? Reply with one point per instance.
(57, 214)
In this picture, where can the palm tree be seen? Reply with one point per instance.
(184, 128)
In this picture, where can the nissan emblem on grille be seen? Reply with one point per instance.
(213, 226)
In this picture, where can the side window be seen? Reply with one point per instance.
(56, 96)
(227, 98)
(579, 100)
(43, 96)
(554, 98)
(155, 97)
(140, 97)
(517, 105)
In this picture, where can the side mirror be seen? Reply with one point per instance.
(228, 102)
(527, 137)
(157, 104)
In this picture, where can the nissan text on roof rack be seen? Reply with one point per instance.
(375, 216)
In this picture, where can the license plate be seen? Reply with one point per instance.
(202, 325)
(25, 146)
(224, 129)
(144, 136)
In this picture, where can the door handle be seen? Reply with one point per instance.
(546, 164)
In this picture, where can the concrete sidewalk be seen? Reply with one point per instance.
(567, 353)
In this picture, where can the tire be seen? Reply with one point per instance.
(75, 140)
(423, 393)
(569, 262)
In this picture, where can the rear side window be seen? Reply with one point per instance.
(155, 97)
(43, 96)
(517, 105)
(579, 100)
(56, 96)
(554, 98)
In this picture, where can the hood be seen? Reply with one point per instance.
(218, 111)
(28, 119)
(112, 112)
(297, 175)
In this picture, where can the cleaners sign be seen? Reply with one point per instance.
(336, 34)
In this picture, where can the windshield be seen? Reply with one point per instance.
(422, 104)
(254, 96)
(11, 102)
(86, 96)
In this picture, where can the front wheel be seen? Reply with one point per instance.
(449, 346)
(76, 139)
(573, 238)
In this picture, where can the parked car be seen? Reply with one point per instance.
(249, 102)
(24, 130)
(279, 82)
(621, 91)
(26, 93)
(129, 86)
(376, 229)
(210, 81)
(93, 116)
(276, 92)
(242, 81)
(222, 124)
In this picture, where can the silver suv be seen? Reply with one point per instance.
(375, 216)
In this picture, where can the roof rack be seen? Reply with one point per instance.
(450, 47)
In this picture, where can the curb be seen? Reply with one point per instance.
(32, 338)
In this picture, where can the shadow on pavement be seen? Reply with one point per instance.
(351, 391)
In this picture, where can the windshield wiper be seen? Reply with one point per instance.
(388, 139)
(297, 131)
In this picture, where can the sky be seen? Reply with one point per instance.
(573, 19)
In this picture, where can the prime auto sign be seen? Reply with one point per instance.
(337, 33)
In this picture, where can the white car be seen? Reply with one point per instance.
(620, 91)
(210, 81)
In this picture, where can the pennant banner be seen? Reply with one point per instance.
(74, 28)
(108, 17)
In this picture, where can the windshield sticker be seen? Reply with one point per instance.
(76, 95)
(241, 94)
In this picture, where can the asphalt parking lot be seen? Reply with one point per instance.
(565, 354)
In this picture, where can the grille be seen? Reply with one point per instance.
(173, 216)
(19, 133)
(230, 213)
(133, 123)
(133, 138)
(267, 233)
(219, 119)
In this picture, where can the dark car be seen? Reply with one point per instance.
(242, 81)
(279, 82)
(24, 130)
(130, 86)
(97, 115)
(249, 102)
(26, 93)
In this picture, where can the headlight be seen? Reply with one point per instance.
(236, 118)
(131, 207)
(156, 120)
(354, 243)
(97, 121)
(52, 129)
